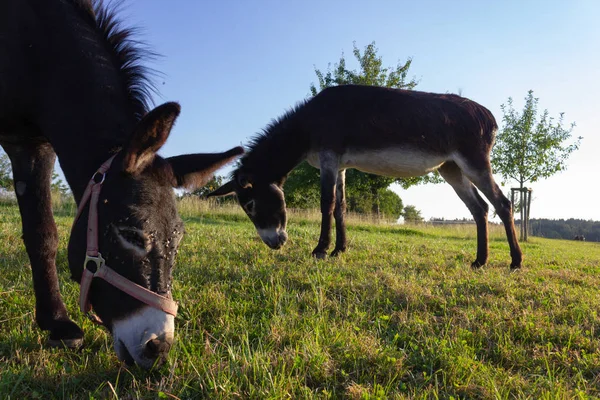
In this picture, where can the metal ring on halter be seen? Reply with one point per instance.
(101, 180)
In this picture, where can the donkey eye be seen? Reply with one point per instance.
(133, 239)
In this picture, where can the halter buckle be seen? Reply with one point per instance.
(97, 262)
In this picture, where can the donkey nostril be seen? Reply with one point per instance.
(283, 237)
(156, 347)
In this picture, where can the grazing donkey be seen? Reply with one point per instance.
(378, 130)
(71, 86)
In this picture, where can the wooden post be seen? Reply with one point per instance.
(524, 213)
(529, 190)
(522, 204)
(525, 206)
(512, 200)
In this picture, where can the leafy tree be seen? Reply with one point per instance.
(566, 229)
(57, 185)
(391, 204)
(530, 147)
(304, 182)
(214, 183)
(412, 215)
(302, 187)
(5, 172)
(371, 72)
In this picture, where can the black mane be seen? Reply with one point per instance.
(127, 53)
(262, 151)
(275, 125)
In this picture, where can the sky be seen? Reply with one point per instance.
(236, 65)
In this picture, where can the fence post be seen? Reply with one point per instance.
(525, 207)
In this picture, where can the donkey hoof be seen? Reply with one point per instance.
(66, 334)
(319, 254)
(515, 267)
(476, 264)
(337, 252)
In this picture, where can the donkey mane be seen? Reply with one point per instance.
(263, 149)
(128, 54)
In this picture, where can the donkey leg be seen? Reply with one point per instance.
(339, 214)
(32, 171)
(483, 179)
(329, 163)
(476, 205)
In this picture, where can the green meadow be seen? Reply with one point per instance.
(401, 315)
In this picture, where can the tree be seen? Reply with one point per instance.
(302, 187)
(412, 215)
(303, 183)
(5, 172)
(213, 184)
(371, 72)
(391, 204)
(57, 185)
(530, 147)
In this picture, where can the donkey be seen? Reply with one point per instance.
(72, 86)
(378, 130)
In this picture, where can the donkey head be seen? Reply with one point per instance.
(263, 202)
(139, 231)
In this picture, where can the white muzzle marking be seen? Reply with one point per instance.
(131, 334)
(274, 237)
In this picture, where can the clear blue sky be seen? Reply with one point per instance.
(235, 65)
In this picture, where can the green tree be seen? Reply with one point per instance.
(213, 184)
(303, 183)
(5, 172)
(391, 204)
(531, 146)
(371, 72)
(412, 215)
(302, 187)
(57, 185)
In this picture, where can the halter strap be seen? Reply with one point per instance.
(94, 265)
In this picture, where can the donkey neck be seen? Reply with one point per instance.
(273, 154)
(83, 107)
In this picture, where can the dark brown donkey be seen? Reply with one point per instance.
(382, 131)
(71, 86)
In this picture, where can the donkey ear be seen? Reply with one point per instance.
(195, 170)
(149, 136)
(225, 190)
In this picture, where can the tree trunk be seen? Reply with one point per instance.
(375, 206)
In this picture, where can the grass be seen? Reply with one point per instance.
(401, 315)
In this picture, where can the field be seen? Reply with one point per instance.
(400, 315)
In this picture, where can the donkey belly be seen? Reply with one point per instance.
(401, 163)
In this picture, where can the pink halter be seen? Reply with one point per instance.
(94, 265)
